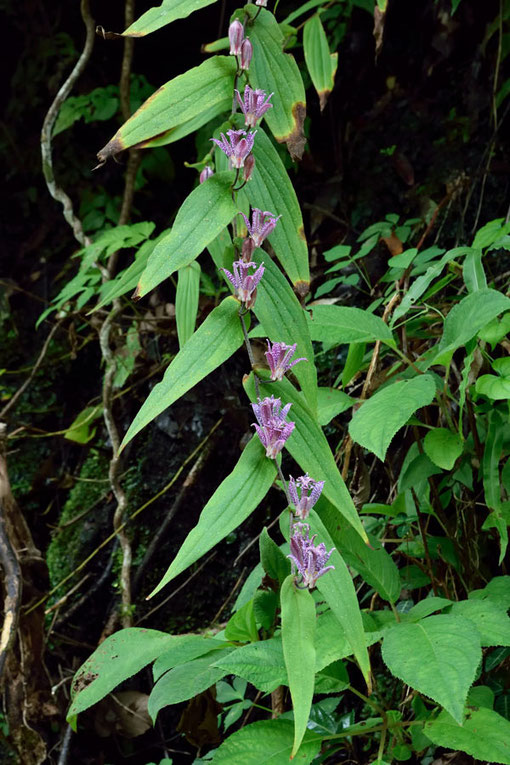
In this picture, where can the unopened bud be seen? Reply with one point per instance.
(246, 53)
(247, 250)
(206, 173)
(262, 3)
(249, 164)
(236, 36)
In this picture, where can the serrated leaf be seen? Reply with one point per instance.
(186, 301)
(191, 99)
(332, 679)
(232, 502)
(494, 387)
(491, 620)
(377, 421)
(168, 11)
(437, 656)
(217, 338)
(261, 664)
(184, 648)
(267, 741)
(201, 217)
(330, 403)
(318, 59)
(443, 447)
(120, 656)
(298, 640)
(484, 735)
(333, 324)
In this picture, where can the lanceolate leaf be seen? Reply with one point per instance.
(168, 11)
(320, 62)
(310, 449)
(186, 301)
(338, 590)
(201, 217)
(284, 320)
(232, 502)
(214, 342)
(378, 419)
(298, 635)
(276, 72)
(484, 735)
(205, 90)
(269, 742)
(437, 656)
(333, 324)
(270, 188)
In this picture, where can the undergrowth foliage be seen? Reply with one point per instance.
(382, 620)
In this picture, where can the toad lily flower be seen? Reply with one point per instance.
(245, 284)
(206, 173)
(254, 106)
(236, 37)
(309, 493)
(263, 223)
(279, 357)
(246, 54)
(309, 559)
(272, 429)
(237, 146)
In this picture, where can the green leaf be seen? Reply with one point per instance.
(217, 338)
(495, 388)
(298, 635)
(484, 735)
(443, 447)
(497, 590)
(353, 362)
(491, 620)
(332, 679)
(82, 430)
(168, 11)
(186, 301)
(185, 681)
(189, 100)
(270, 188)
(376, 422)
(337, 588)
(261, 664)
(232, 502)
(277, 72)
(331, 402)
(274, 561)
(491, 480)
(284, 320)
(372, 562)
(473, 273)
(333, 324)
(267, 741)
(309, 447)
(426, 607)
(242, 627)
(120, 656)
(184, 648)
(331, 643)
(438, 657)
(321, 64)
(201, 217)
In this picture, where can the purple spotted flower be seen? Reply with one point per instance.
(272, 429)
(245, 284)
(236, 37)
(304, 493)
(206, 173)
(254, 106)
(279, 357)
(237, 146)
(309, 559)
(263, 223)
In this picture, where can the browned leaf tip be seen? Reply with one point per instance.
(296, 140)
(302, 289)
(136, 294)
(101, 32)
(323, 97)
(112, 148)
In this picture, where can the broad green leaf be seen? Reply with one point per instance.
(491, 620)
(491, 480)
(120, 656)
(494, 387)
(481, 696)
(277, 72)
(320, 62)
(221, 250)
(437, 656)
(334, 324)
(496, 330)
(331, 402)
(168, 11)
(242, 627)
(473, 273)
(298, 639)
(353, 362)
(484, 735)
(427, 607)
(443, 447)
(186, 301)
(332, 679)
(376, 422)
(331, 643)
(184, 648)
(308, 6)
(269, 742)
(337, 588)
(185, 681)
(127, 280)
(217, 338)
(194, 97)
(497, 590)
(201, 217)
(261, 664)
(274, 561)
(232, 502)
(309, 447)
(270, 188)
(284, 320)
(82, 430)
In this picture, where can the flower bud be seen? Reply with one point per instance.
(206, 173)
(236, 36)
(246, 53)
(247, 250)
(262, 3)
(249, 164)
